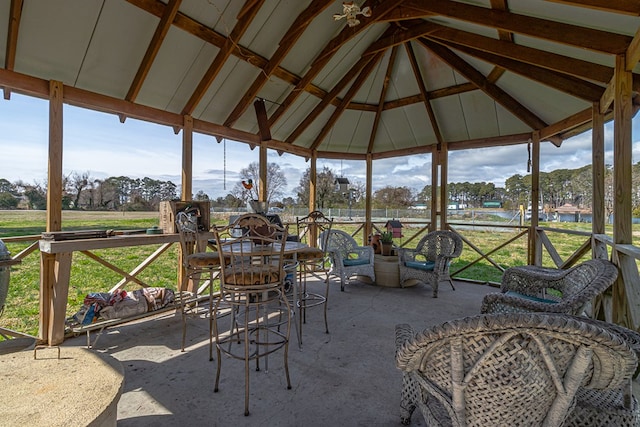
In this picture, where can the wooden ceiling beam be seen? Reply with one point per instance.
(15, 13)
(323, 58)
(573, 35)
(381, 98)
(423, 91)
(475, 77)
(355, 87)
(574, 67)
(297, 28)
(241, 26)
(168, 15)
(568, 84)
(627, 7)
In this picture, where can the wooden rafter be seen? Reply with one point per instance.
(563, 64)
(355, 87)
(297, 28)
(383, 95)
(15, 12)
(573, 35)
(244, 19)
(332, 95)
(628, 7)
(323, 58)
(572, 85)
(423, 91)
(474, 76)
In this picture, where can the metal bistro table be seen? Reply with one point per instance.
(291, 248)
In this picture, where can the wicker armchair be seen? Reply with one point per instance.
(347, 258)
(532, 288)
(595, 408)
(507, 369)
(429, 261)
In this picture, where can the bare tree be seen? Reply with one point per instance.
(247, 189)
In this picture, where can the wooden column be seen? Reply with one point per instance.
(622, 109)
(54, 269)
(262, 189)
(626, 292)
(597, 160)
(434, 187)
(535, 252)
(187, 159)
(368, 227)
(54, 174)
(444, 162)
(313, 181)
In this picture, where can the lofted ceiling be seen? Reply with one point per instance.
(414, 74)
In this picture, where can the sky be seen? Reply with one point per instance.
(94, 143)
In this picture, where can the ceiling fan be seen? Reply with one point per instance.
(350, 10)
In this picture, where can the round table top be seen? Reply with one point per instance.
(80, 387)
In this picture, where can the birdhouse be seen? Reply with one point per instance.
(342, 184)
(394, 226)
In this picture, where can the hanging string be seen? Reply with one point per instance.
(224, 163)
(529, 161)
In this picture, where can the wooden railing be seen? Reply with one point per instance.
(619, 305)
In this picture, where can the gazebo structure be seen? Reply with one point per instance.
(362, 80)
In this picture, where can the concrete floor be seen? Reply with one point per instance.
(347, 377)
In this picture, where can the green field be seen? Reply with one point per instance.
(22, 307)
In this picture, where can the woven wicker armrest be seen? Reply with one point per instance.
(531, 280)
(404, 333)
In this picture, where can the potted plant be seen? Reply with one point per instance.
(386, 242)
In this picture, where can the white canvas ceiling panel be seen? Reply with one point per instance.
(535, 96)
(217, 14)
(369, 92)
(480, 114)
(54, 36)
(174, 66)
(269, 25)
(311, 42)
(311, 133)
(351, 126)
(450, 117)
(189, 73)
(346, 56)
(225, 92)
(403, 80)
(508, 124)
(435, 73)
(405, 128)
(294, 116)
(118, 44)
(583, 16)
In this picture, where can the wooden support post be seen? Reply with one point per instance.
(313, 181)
(368, 227)
(444, 179)
(54, 291)
(535, 252)
(187, 159)
(54, 174)
(434, 187)
(597, 177)
(262, 189)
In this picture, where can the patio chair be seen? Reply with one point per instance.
(313, 261)
(252, 292)
(197, 265)
(533, 288)
(346, 257)
(429, 261)
(617, 407)
(507, 369)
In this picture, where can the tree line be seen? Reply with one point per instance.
(557, 188)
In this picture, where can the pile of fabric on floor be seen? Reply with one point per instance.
(121, 304)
